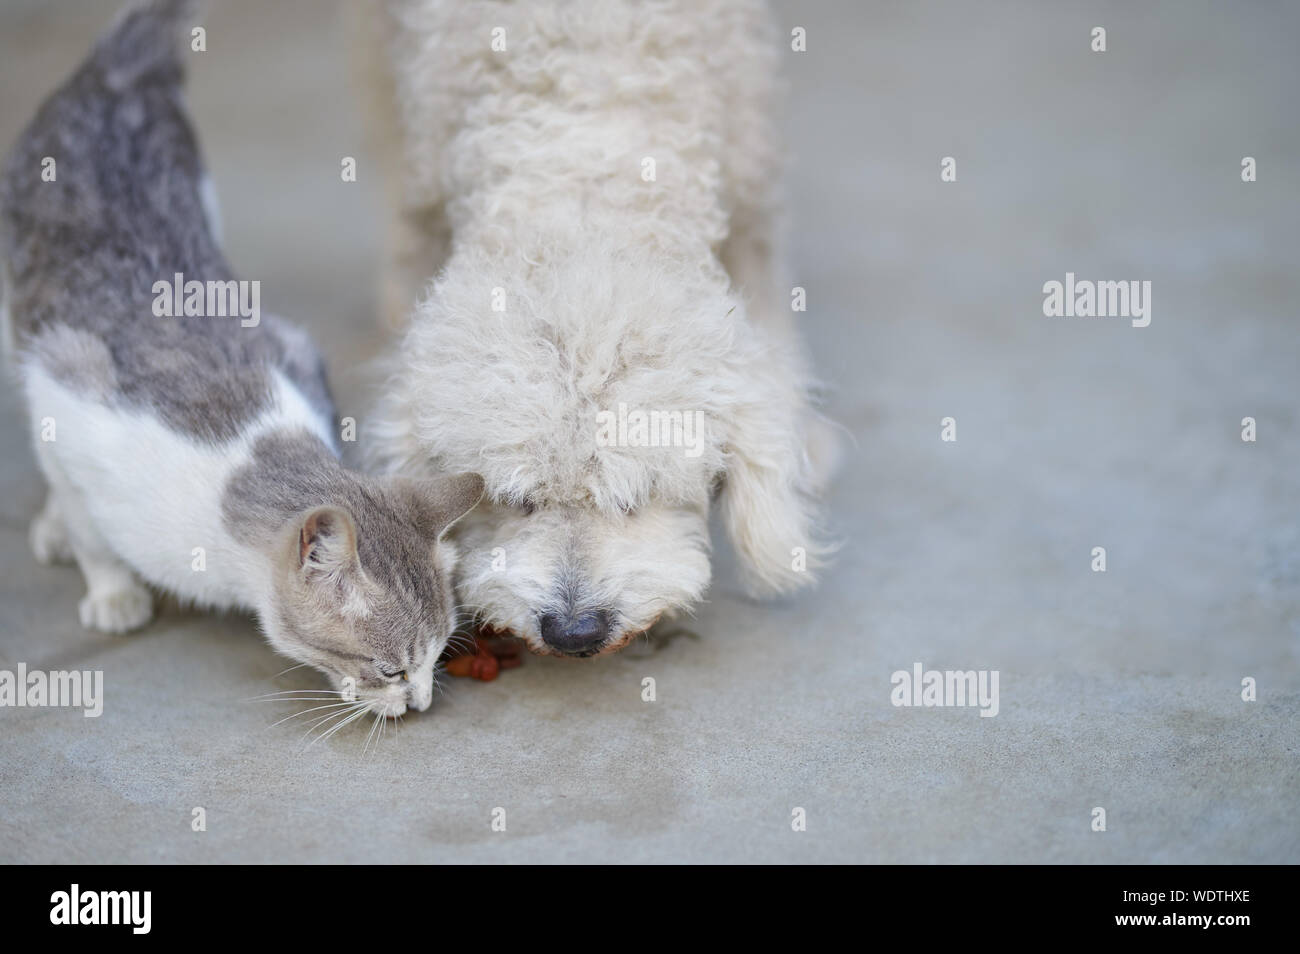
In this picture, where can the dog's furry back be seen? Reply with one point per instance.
(606, 182)
(580, 95)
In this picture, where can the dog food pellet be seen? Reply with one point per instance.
(483, 666)
(489, 657)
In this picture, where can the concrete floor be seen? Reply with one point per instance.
(1118, 690)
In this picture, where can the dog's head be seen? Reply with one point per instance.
(608, 401)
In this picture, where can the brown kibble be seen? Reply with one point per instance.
(460, 665)
(485, 662)
(485, 667)
(482, 666)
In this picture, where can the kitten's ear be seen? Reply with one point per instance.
(327, 543)
(439, 502)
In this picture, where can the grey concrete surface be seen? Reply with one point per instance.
(1120, 690)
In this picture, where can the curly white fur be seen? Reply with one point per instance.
(571, 284)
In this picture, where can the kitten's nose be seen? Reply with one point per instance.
(579, 635)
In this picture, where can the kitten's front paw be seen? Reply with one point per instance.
(117, 611)
(49, 540)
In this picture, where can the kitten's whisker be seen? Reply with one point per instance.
(324, 719)
(290, 669)
(301, 699)
(374, 725)
(359, 713)
(356, 714)
(289, 693)
(333, 705)
(461, 642)
(346, 710)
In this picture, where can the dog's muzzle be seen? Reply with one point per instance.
(575, 635)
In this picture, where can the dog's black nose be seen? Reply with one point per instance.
(578, 635)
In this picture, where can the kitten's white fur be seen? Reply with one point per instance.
(162, 497)
(196, 457)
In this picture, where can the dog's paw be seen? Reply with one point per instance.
(49, 540)
(118, 610)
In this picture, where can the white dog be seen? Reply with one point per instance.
(607, 338)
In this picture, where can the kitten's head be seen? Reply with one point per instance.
(363, 590)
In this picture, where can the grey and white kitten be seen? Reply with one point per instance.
(197, 453)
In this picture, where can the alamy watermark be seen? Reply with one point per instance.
(210, 299)
(1088, 299)
(64, 689)
(75, 906)
(945, 688)
(639, 428)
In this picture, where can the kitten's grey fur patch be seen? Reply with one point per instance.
(358, 586)
(293, 473)
(126, 210)
(76, 359)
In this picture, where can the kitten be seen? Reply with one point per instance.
(193, 453)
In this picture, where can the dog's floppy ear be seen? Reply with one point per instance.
(780, 455)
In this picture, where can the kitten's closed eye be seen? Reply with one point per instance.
(389, 673)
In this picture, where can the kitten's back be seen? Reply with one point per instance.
(125, 210)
